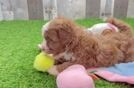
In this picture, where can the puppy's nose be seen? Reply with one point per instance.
(51, 55)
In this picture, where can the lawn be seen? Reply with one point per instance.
(18, 48)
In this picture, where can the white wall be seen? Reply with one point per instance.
(72, 8)
(20, 9)
(7, 10)
(47, 9)
(1, 16)
(13, 9)
(107, 7)
(130, 12)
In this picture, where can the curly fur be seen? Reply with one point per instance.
(90, 50)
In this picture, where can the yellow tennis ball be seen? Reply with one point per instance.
(43, 62)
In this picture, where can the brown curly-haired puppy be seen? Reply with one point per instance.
(89, 50)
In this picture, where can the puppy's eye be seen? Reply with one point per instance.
(48, 38)
(52, 39)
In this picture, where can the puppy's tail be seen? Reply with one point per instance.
(122, 26)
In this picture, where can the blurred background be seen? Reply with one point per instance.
(74, 9)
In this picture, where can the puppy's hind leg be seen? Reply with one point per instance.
(122, 26)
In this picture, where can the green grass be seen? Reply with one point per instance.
(18, 48)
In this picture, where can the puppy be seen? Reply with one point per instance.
(64, 35)
(95, 29)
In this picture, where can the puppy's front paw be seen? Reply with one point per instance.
(53, 71)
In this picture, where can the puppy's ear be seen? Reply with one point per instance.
(66, 33)
(61, 32)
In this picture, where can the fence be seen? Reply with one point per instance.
(75, 9)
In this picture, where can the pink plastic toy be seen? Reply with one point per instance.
(74, 77)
